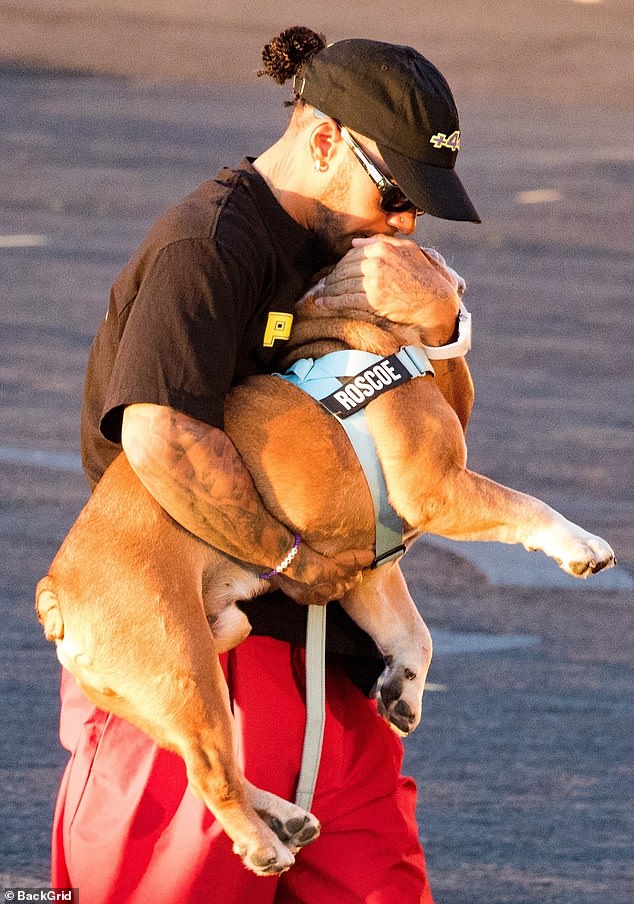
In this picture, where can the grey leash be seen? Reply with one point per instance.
(315, 705)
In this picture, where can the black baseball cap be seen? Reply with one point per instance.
(393, 95)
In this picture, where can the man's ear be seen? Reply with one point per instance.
(324, 142)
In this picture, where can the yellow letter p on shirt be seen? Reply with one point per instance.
(278, 326)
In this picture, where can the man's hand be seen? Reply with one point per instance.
(395, 279)
(313, 579)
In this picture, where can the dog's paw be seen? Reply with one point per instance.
(265, 859)
(284, 829)
(579, 553)
(293, 826)
(399, 701)
(296, 832)
(596, 555)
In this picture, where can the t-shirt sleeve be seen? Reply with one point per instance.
(179, 335)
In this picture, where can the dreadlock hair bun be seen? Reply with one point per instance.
(284, 56)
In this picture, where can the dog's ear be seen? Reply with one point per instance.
(458, 282)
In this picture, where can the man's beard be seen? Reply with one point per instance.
(328, 226)
(331, 227)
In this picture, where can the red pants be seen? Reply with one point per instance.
(128, 830)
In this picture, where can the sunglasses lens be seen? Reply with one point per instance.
(394, 201)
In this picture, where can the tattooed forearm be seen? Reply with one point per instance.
(197, 476)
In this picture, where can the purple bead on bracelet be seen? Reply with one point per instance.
(286, 561)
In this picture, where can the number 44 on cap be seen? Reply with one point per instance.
(440, 140)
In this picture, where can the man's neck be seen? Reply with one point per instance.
(280, 169)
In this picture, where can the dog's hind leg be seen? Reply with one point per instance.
(424, 460)
(152, 660)
(476, 508)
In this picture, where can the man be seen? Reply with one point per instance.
(206, 300)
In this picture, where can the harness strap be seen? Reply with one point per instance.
(323, 380)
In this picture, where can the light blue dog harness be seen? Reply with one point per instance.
(344, 383)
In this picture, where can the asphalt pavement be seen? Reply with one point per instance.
(524, 757)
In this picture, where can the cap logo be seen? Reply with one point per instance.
(440, 140)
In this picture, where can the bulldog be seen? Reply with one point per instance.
(139, 608)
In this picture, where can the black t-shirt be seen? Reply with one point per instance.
(194, 312)
(188, 315)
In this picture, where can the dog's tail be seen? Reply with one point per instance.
(48, 610)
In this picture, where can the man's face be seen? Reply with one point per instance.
(350, 205)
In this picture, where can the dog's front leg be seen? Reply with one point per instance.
(381, 604)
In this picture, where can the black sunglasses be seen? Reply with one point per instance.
(392, 198)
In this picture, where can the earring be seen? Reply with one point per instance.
(319, 166)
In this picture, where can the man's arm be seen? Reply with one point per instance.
(196, 474)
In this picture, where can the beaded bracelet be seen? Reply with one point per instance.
(286, 561)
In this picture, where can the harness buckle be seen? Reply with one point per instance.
(390, 556)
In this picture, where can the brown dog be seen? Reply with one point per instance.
(139, 608)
